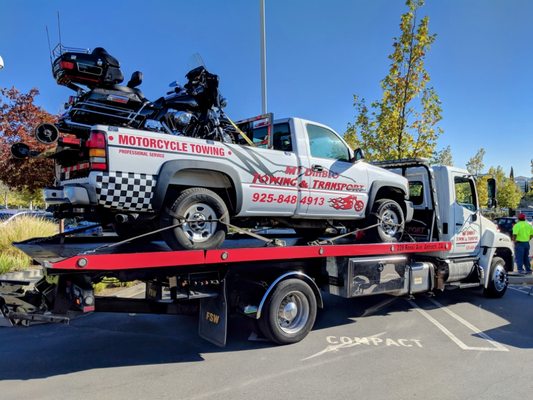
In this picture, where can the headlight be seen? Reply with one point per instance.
(182, 118)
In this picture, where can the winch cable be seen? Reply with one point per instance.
(268, 241)
(182, 221)
(335, 238)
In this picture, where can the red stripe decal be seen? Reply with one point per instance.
(77, 167)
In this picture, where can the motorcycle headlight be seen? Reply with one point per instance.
(182, 118)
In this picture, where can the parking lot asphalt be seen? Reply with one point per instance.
(456, 345)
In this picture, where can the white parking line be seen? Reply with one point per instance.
(522, 289)
(496, 346)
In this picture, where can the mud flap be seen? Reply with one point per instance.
(213, 320)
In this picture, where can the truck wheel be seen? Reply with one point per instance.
(388, 217)
(498, 280)
(289, 313)
(200, 209)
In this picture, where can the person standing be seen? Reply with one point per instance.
(522, 234)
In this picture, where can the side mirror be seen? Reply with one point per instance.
(491, 188)
(358, 154)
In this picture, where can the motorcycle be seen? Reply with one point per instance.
(105, 101)
(194, 110)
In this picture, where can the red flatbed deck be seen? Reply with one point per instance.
(76, 255)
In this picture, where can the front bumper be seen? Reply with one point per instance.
(409, 211)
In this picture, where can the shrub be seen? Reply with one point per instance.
(17, 230)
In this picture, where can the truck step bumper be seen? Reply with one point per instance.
(75, 195)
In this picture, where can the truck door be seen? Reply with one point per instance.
(467, 233)
(337, 186)
(271, 186)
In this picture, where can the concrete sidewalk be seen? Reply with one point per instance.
(518, 279)
(129, 292)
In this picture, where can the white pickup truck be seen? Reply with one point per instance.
(299, 174)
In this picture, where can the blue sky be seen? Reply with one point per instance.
(319, 53)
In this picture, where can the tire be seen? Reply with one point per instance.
(390, 219)
(289, 313)
(197, 206)
(498, 280)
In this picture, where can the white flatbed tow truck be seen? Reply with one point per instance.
(279, 284)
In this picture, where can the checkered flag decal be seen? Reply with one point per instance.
(125, 190)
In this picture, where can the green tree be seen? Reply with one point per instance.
(443, 157)
(498, 174)
(475, 165)
(18, 118)
(482, 191)
(403, 123)
(20, 198)
(510, 194)
(531, 181)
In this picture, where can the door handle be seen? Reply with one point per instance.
(317, 168)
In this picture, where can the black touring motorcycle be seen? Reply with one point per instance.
(194, 110)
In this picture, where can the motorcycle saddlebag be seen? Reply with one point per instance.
(98, 68)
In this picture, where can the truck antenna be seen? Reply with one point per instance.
(49, 46)
(59, 32)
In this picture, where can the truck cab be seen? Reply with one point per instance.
(446, 207)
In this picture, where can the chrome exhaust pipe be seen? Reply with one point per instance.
(122, 218)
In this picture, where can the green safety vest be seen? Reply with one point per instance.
(523, 231)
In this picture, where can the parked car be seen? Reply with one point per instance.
(9, 215)
(87, 228)
(505, 224)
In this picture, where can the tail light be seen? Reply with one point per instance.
(66, 65)
(97, 146)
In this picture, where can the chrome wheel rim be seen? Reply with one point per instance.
(390, 222)
(293, 312)
(499, 277)
(200, 222)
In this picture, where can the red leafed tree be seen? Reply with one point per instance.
(18, 118)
